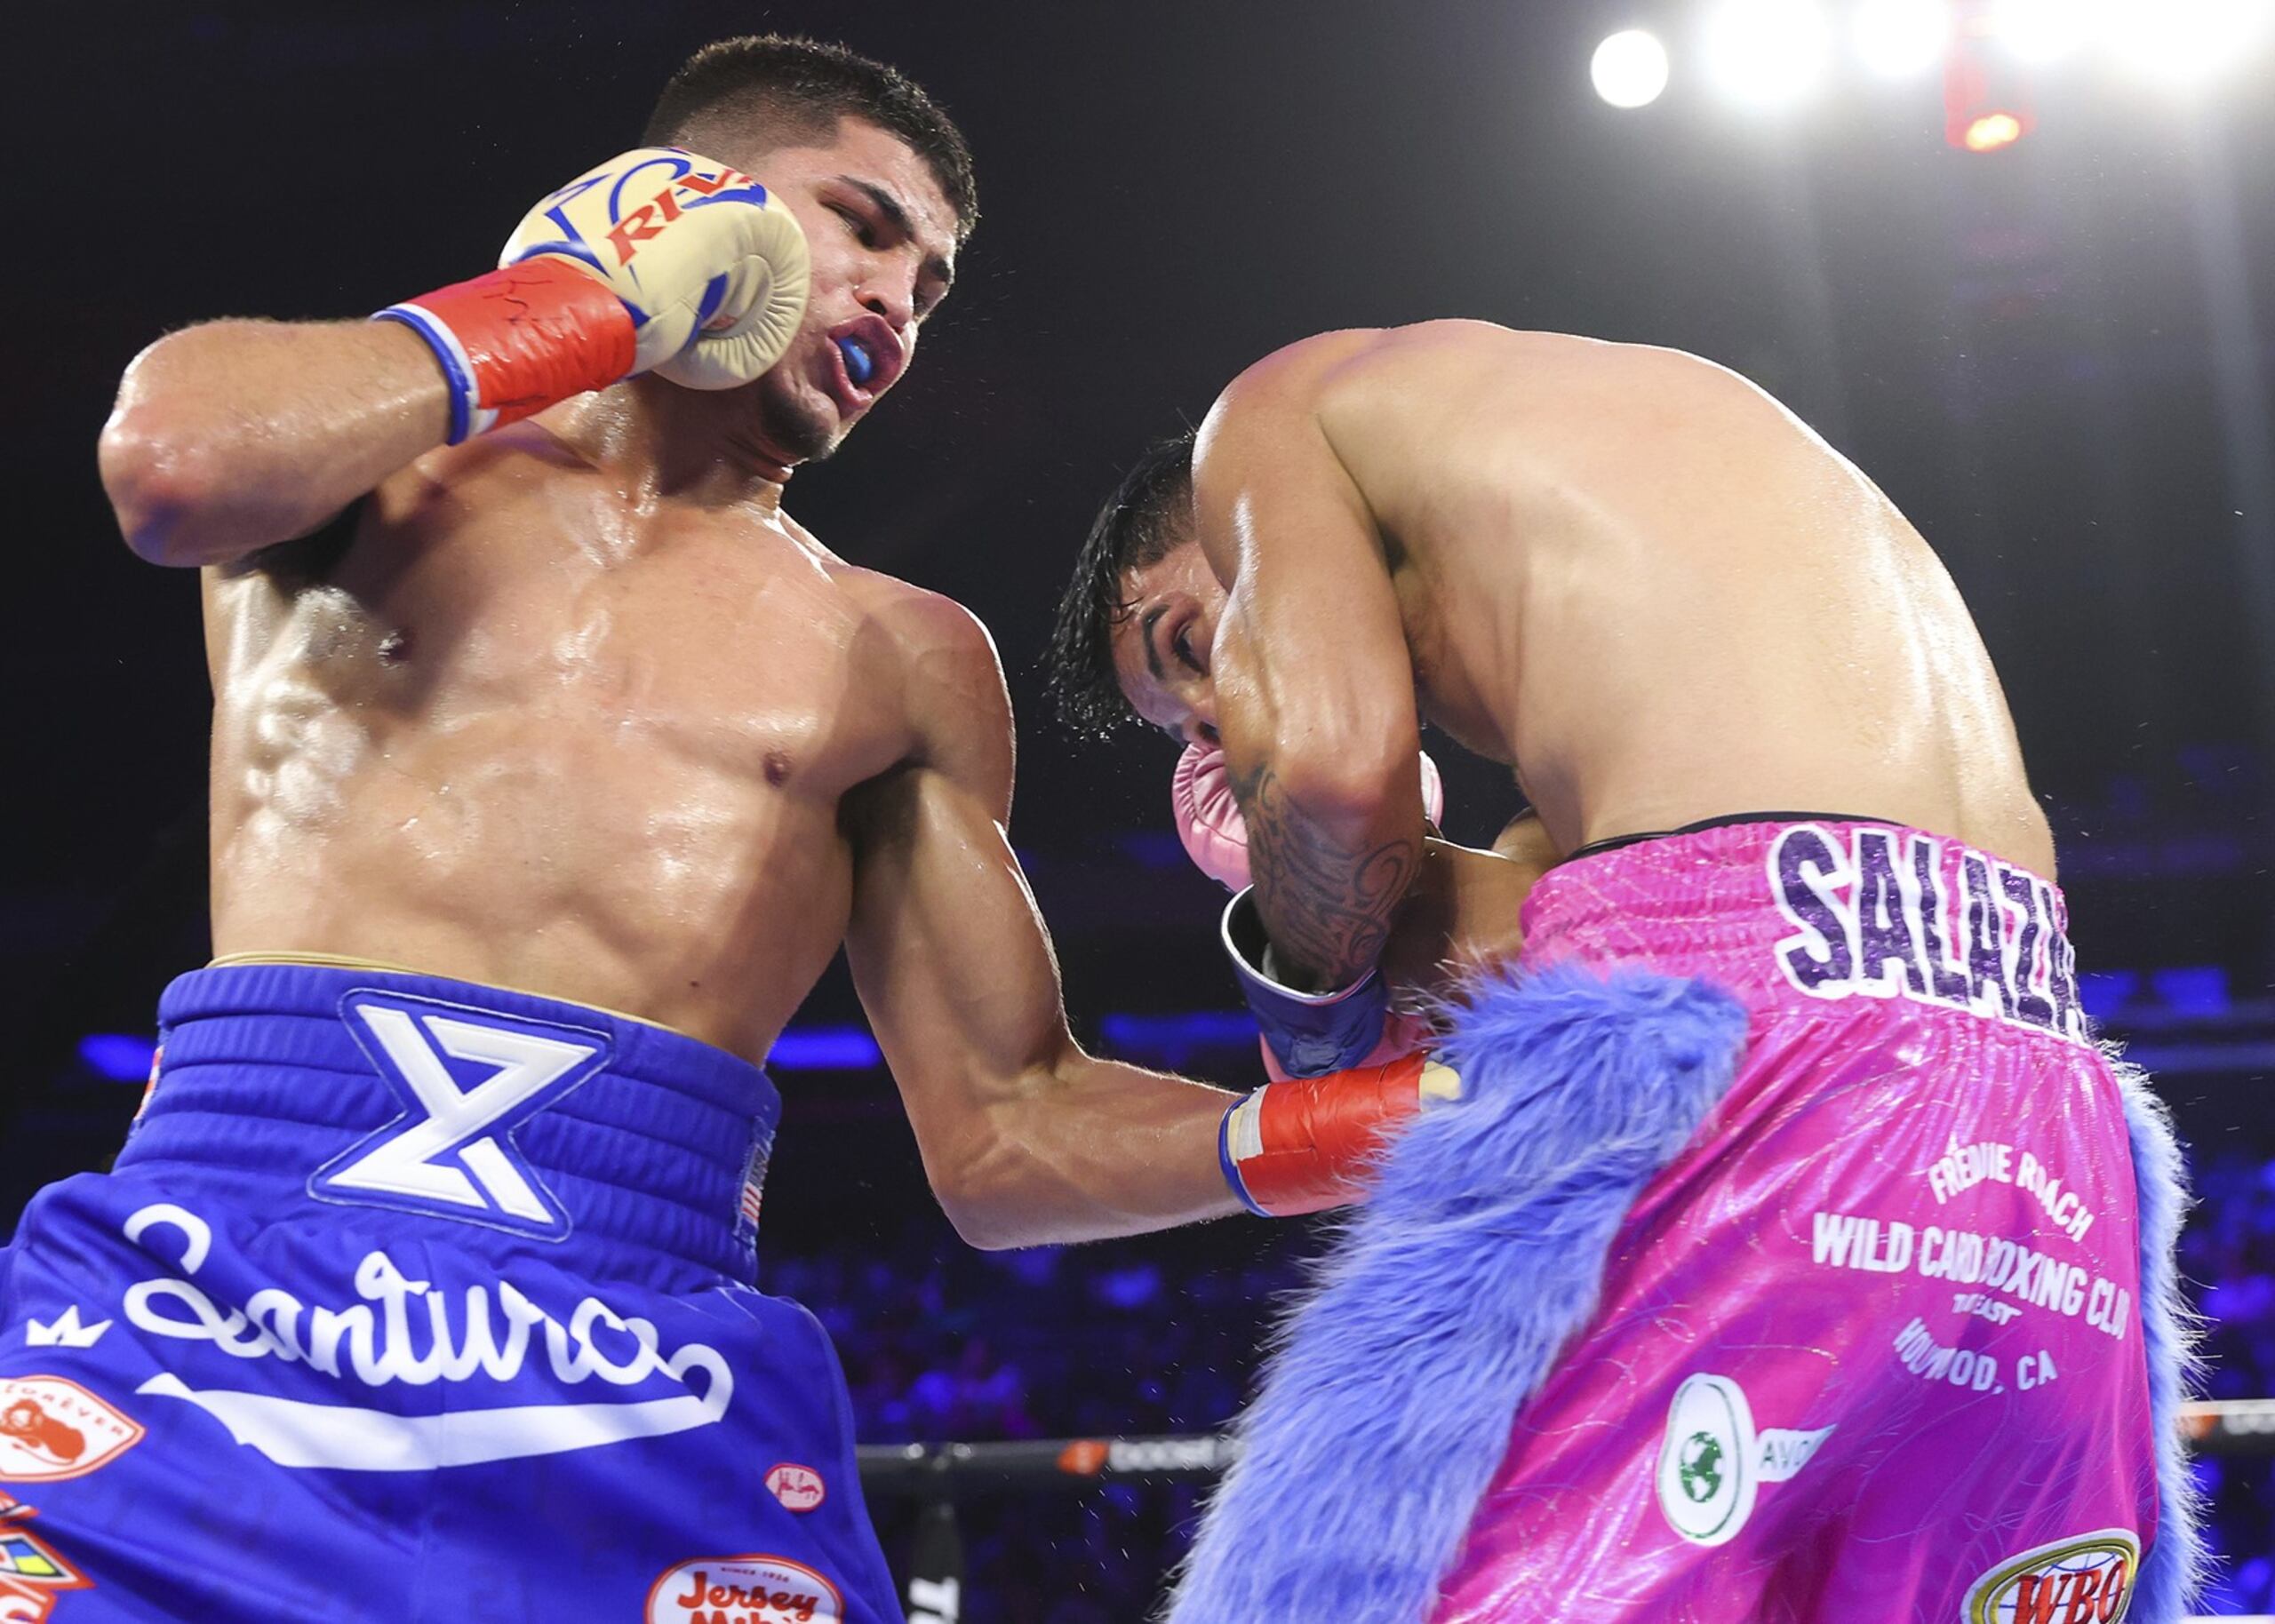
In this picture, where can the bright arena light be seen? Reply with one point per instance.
(1630, 69)
(1897, 39)
(1770, 52)
(1993, 130)
(2042, 30)
(2183, 40)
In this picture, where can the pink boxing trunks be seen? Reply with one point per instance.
(1794, 1256)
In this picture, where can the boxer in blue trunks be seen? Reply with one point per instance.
(414, 1297)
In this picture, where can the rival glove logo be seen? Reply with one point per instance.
(452, 1153)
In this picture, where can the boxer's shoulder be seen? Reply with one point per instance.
(923, 626)
(1265, 429)
(1299, 370)
(1363, 392)
(1424, 364)
(949, 674)
(1336, 363)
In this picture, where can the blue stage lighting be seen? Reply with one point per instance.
(117, 1057)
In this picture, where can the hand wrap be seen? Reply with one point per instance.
(1307, 1144)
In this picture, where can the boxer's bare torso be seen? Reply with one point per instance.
(576, 708)
(529, 729)
(1639, 580)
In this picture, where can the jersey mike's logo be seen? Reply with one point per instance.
(468, 1079)
(748, 1589)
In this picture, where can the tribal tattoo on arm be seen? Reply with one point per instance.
(1326, 905)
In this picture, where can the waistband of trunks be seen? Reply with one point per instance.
(1828, 907)
(544, 1121)
(1727, 820)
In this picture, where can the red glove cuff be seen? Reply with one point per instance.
(1310, 1144)
(520, 338)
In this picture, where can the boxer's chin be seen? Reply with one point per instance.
(797, 419)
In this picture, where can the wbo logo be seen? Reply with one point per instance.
(2087, 1578)
(452, 1153)
(1713, 1462)
(31, 1570)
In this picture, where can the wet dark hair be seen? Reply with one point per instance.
(788, 89)
(1142, 522)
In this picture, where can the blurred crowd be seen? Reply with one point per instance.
(2228, 1257)
(1162, 1336)
(1143, 1337)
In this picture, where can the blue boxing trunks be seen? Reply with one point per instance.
(410, 1300)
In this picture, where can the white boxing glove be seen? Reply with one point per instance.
(658, 260)
(712, 269)
(1208, 817)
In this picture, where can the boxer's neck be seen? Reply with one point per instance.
(674, 444)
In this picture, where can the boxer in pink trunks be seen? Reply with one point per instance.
(1793, 1253)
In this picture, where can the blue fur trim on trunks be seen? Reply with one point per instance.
(1388, 1404)
(2174, 1567)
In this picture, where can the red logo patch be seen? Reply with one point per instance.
(799, 1488)
(31, 1572)
(51, 1428)
(757, 1589)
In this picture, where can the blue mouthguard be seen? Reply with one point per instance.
(858, 367)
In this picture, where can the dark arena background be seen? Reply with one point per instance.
(2017, 260)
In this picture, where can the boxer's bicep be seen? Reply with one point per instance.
(1025, 1138)
(949, 955)
(945, 945)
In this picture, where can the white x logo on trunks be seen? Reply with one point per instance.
(452, 1153)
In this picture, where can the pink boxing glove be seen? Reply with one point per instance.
(1209, 817)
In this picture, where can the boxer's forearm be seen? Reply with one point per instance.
(1026, 1139)
(1330, 870)
(235, 435)
(1090, 1150)
(1313, 682)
